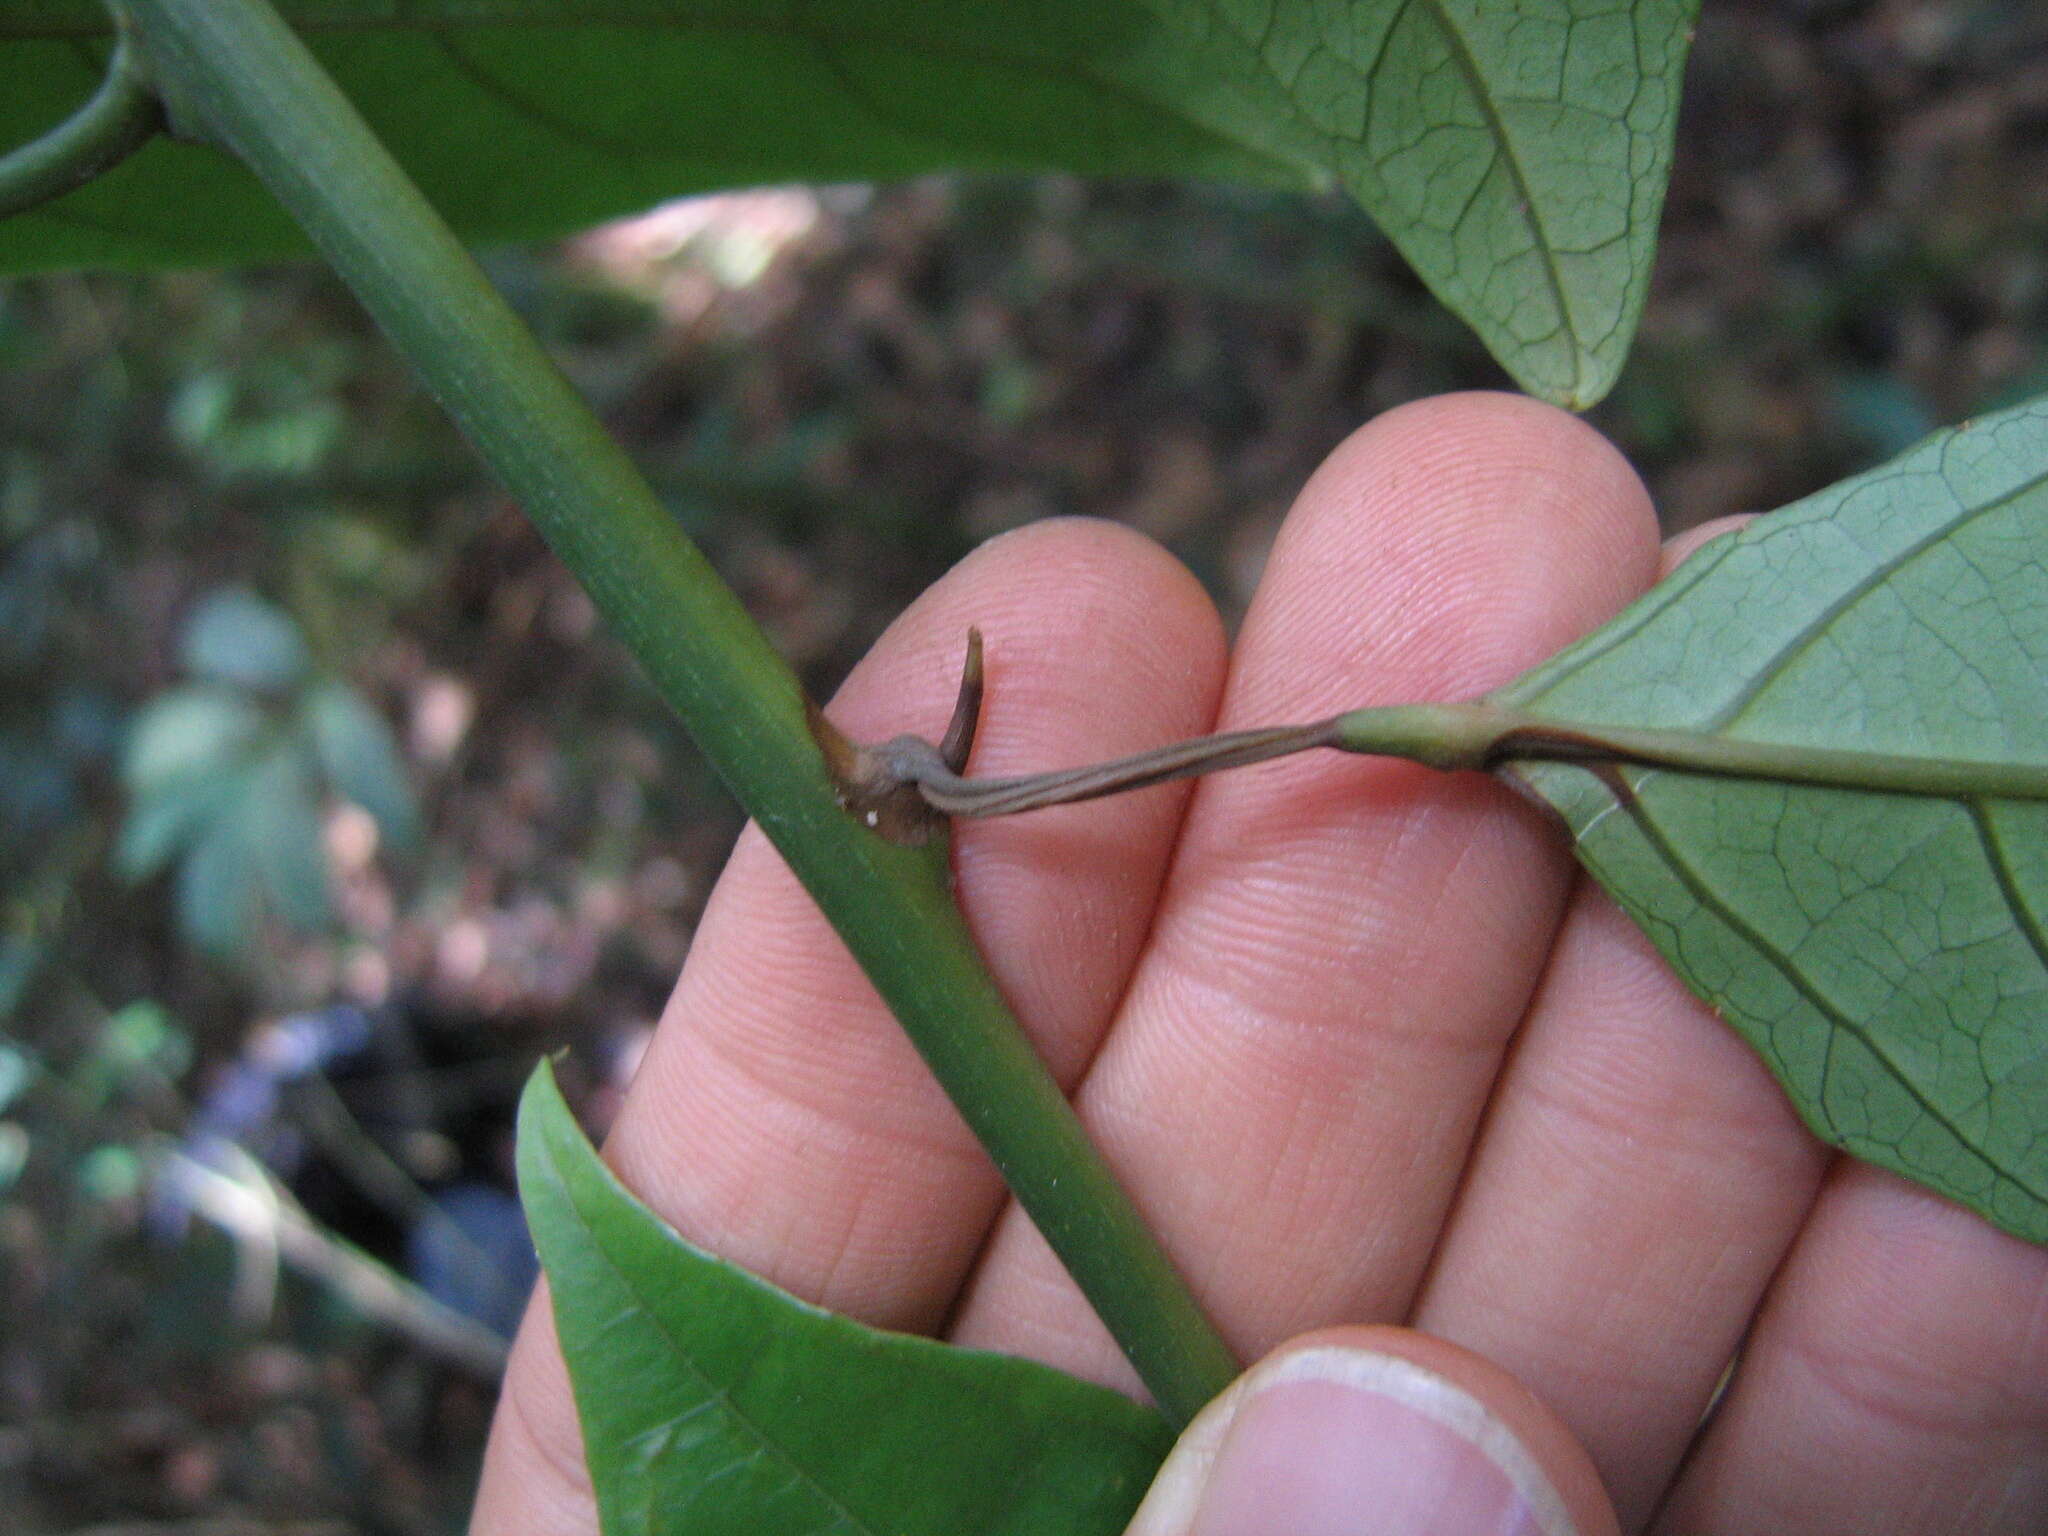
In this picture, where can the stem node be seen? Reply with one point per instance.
(878, 785)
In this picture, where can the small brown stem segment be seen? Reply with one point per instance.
(1476, 736)
(948, 793)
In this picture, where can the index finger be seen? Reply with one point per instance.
(780, 1118)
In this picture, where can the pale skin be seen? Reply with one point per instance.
(1360, 1043)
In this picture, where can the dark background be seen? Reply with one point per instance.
(838, 391)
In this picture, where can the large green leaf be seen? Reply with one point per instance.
(711, 1402)
(1886, 953)
(1516, 154)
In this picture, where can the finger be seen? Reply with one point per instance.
(1896, 1383)
(1355, 1430)
(779, 1117)
(1638, 1180)
(1682, 546)
(534, 1481)
(1345, 944)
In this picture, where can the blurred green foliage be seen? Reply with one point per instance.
(226, 774)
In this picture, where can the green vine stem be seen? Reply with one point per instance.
(261, 93)
(121, 116)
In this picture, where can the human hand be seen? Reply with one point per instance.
(1363, 1052)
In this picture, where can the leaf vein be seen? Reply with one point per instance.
(1460, 49)
(1729, 913)
(1868, 582)
(2002, 871)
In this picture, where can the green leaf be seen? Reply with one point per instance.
(712, 1402)
(256, 847)
(17, 1070)
(238, 638)
(219, 889)
(1517, 155)
(167, 819)
(185, 765)
(1886, 953)
(360, 759)
(186, 735)
(280, 813)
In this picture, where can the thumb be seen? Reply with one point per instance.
(1375, 1432)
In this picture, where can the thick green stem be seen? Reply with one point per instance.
(122, 116)
(264, 95)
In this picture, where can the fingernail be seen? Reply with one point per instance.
(1340, 1442)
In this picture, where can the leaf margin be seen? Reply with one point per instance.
(552, 1153)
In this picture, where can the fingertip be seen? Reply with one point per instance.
(1368, 1428)
(1474, 534)
(1065, 606)
(1482, 438)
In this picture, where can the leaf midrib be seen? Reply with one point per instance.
(1676, 588)
(1059, 70)
(1477, 87)
(1475, 82)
